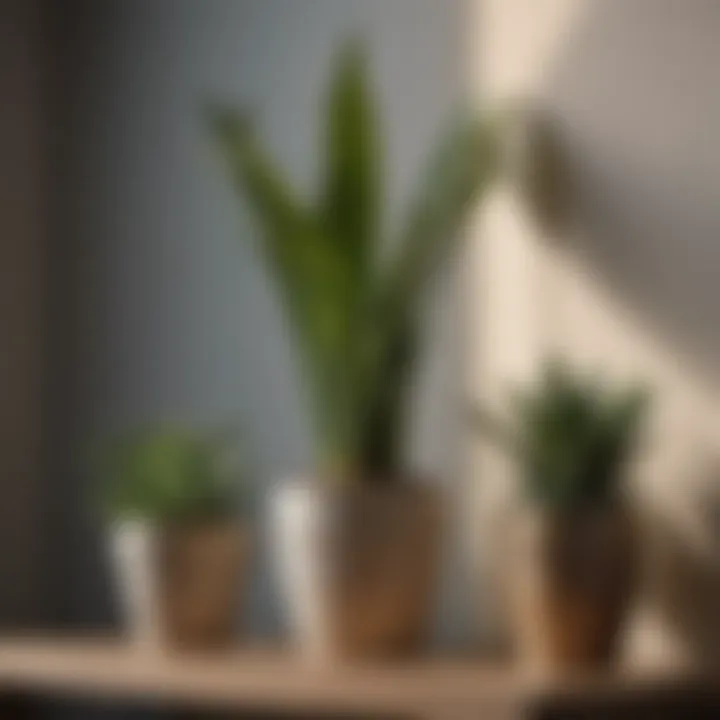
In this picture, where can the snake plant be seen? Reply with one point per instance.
(571, 435)
(351, 291)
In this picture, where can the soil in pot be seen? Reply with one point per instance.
(573, 585)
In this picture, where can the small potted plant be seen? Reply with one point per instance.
(572, 437)
(179, 545)
(356, 542)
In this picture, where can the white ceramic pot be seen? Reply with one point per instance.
(297, 525)
(133, 549)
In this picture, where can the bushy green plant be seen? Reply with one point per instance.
(171, 475)
(352, 295)
(571, 434)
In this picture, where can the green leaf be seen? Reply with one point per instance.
(574, 434)
(308, 271)
(459, 171)
(350, 212)
(352, 185)
(382, 421)
(356, 323)
(461, 168)
(171, 474)
(289, 243)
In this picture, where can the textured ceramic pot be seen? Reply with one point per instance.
(357, 566)
(572, 584)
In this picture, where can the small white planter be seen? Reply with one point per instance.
(133, 549)
(297, 526)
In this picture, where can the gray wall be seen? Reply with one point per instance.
(170, 311)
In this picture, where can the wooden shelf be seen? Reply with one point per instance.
(281, 682)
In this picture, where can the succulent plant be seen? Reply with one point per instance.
(571, 435)
(352, 295)
(171, 475)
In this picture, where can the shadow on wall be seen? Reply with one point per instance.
(636, 93)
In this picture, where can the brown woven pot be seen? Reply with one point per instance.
(573, 585)
(384, 558)
(201, 571)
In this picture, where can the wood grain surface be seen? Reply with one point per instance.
(280, 681)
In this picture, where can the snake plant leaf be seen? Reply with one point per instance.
(458, 173)
(284, 223)
(355, 317)
(383, 412)
(352, 184)
(308, 271)
(350, 207)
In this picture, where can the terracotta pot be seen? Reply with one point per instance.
(180, 584)
(573, 583)
(358, 566)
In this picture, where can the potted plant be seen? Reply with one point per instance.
(356, 544)
(572, 437)
(179, 546)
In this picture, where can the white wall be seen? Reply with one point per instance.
(172, 314)
(635, 290)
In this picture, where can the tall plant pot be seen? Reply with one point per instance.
(357, 566)
(572, 585)
(179, 585)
